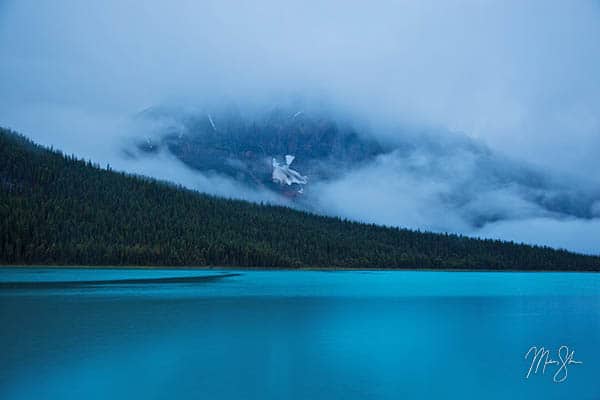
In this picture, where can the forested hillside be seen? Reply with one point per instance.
(57, 209)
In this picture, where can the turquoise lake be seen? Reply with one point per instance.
(212, 334)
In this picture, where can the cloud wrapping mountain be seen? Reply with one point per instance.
(436, 180)
(486, 112)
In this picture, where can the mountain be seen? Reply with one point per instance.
(451, 171)
(57, 209)
(247, 148)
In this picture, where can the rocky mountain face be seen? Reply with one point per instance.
(454, 173)
(247, 150)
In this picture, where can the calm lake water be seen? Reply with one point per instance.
(125, 334)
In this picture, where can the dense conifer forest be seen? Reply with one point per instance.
(57, 209)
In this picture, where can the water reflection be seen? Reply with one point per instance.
(299, 335)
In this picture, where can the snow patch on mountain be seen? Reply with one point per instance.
(284, 175)
(212, 123)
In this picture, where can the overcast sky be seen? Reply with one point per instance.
(519, 76)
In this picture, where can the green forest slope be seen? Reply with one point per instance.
(56, 209)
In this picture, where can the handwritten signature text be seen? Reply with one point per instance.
(541, 360)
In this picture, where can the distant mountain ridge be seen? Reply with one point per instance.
(57, 209)
(242, 148)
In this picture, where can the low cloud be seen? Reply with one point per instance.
(569, 233)
(516, 78)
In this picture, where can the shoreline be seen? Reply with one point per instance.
(316, 269)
